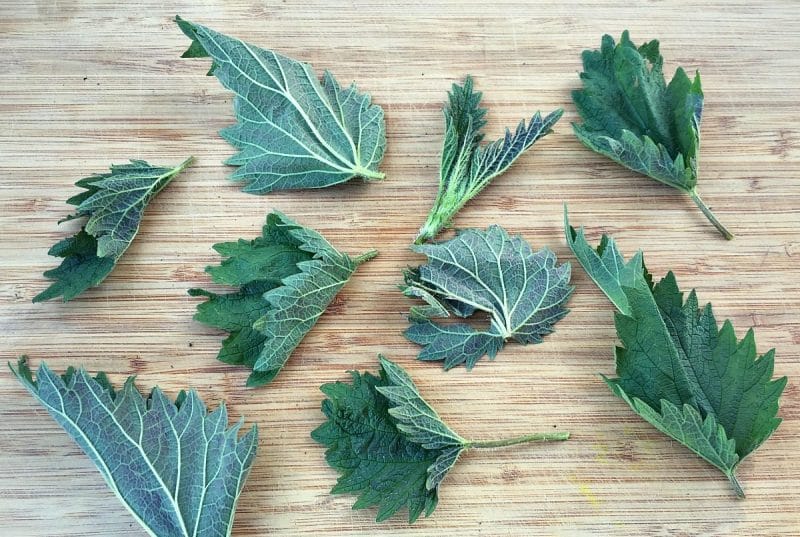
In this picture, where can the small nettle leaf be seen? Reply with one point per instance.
(632, 116)
(178, 468)
(678, 370)
(522, 291)
(286, 278)
(113, 205)
(389, 445)
(466, 165)
(292, 131)
(605, 264)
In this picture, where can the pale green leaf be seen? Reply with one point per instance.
(113, 205)
(468, 167)
(177, 468)
(292, 131)
(522, 291)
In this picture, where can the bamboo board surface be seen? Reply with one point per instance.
(85, 84)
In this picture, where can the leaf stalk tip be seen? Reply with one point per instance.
(366, 256)
(711, 216)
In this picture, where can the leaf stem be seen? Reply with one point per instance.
(366, 256)
(368, 174)
(737, 488)
(536, 437)
(183, 165)
(711, 217)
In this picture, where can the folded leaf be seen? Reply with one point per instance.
(466, 166)
(606, 265)
(389, 445)
(287, 278)
(177, 468)
(633, 117)
(692, 380)
(113, 204)
(291, 132)
(523, 293)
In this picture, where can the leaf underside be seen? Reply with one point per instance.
(286, 279)
(291, 130)
(633, 117)
(522, 291)
(467, 167)
(113, 205)
(690, 379)
(178, 468)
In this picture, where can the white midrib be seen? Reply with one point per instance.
(147, 461)
(297, 106)
(110, 479)
(149, 192)
(256, 82)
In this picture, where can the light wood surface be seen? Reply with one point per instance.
(85, 84)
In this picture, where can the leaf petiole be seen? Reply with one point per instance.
(536, 437)
(366, 256)
(369, 175)
(737, 488)
(711, 217)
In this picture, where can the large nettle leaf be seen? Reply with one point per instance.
(177, 468)
(677, 369)
(286, 279)
(113, 205)
(522, 291)
(389, 445)
(633, 117)
(466, 165)
(291, 132)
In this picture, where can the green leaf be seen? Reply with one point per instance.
(522, 291)
(389, 445)
(177, 468)
(466, 166)
(605, 265)
(292, 131)
(634, 118)
(692, 380)
(376, 461)
(113, 205)
(287, 278)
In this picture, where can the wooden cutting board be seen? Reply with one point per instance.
(86, 83)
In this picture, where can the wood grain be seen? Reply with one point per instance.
(88, 83)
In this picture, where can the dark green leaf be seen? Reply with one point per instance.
(692, 380)
(287, 278)
(633, 117)
(389, 445)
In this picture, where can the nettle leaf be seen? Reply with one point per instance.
(286, 278)
(389, 445)
(522, 291)
(177, 468)
(682, 373)
(292, 131)
(606, 266)
(466, 165)
(113, 205)
(632, 116)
